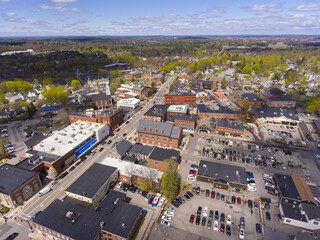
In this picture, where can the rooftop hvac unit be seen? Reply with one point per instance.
(56, 139)
(69, 141)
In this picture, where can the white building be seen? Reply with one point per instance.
(128, 103)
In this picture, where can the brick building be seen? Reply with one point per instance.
(180, 96)
(17, 185)
(230, 128)
(158, 113)
(159, 134)
(130, 90)
(101, 100)
(113, 219)
(215, 81)
(112, 117)
(159, 155)
(220, 96)
(254, 100)
(285, 101)
(175, 110)
(187, 122)
(221, 112)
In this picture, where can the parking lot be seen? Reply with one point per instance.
(271, 132)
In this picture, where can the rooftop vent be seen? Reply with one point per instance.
(204, 165)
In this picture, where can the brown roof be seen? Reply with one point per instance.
(214, 79)
(303, 189)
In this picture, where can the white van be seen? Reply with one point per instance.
(44, 191)
(230, 143)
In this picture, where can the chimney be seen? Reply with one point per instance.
(101, 225)
(155, 130)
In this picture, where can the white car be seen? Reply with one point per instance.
(115, 136)
(171, 209)
(283, 166)
(191, 178)
(205, 211)
(165, 223)
(257, 147)
(215, 226)
(229, 219)
(169, 213)
(266, 175)
(161, 202)
(272, 159)
(318, 156)
(268, 184)
(241, 233)
(119, 184)
(166, 218)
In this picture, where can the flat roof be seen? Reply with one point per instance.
(34, 140)
(91, 180)
(180, 92)
(317, 124)
(230, 124)
(69, 138)
(202, 108)
(271, 112)
(220, 95)
(251, 97)
(12, 177)
(286, 186)
(186, 117)
(303, 189)
(293, 212)
(138, 170)
(222, 172)
(178, 108)
(157, 110)
(161, 154)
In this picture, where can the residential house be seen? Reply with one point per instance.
(119, 150)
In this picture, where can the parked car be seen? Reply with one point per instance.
(191, 220)
(238, 200)
(229, 219)
(199, 210)
(242, 222)
(203, 222)
(222, 228)
(258, 228)
(215, 225)
(165, 223)
(216, 215)
(233, 199)
(213, 194)
(211, 214)
(205, 211)
(207, 192)
(198, 191)
(268, 216)
(241, 233)
(228, 230)
(198, 219)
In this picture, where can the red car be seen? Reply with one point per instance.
(8, 157)
(118, 129)
(193, 172)
(213, 194)
(239, 200)
(150, 200)
(222, 228)
(230, 158)
(191, 218)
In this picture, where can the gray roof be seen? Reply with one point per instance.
(293, 212)
(222, 173)
(140, 149)
(230, 124)
(180, 92)
(161, 154)
(317, 124)
(34, 140)
(157, 110)
(312, 211)
(276, 112)
(118, 217)
(37, 158)
(251, 97)
(12, 177)
(202, 108)
(284, 98)
(286, 187)
(100, 96)
(163, 129)
(91, 180)
(192, 118)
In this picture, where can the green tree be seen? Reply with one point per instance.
(31, 109)
(57, 94)
(246, 69)
(313, 106)
(245, 104)
(192, 68)
(170, 180)
(224, 83)
(256, 68)
(47, 81)
(75, 83)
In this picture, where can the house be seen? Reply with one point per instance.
(180, 96)
(158, 156)
(304, 215)
(119, 151)
(222, 176)
(114, 218)
(221, 96)
(17, 185)
(215, 82)
(159, 134)
(131, 90)
(133, 173)
(128, 104)
(101, 100)
(49, 110)
(140, 152)
(206, 125)
(206, 84)
(157, 113)
(93, 184)
(16, 98)
(282, 101)
(185, 79)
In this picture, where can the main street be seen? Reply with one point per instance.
(37, 203)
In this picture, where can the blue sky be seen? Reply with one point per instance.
(145, 17)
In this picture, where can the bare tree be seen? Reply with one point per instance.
(3, 149)
(281, 157)
(217, 148)
(130, 171)
(52, 173)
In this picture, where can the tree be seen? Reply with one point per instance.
(192, 68)
(256, 68)
(245, 104)
(303, 84)
(130, 171)
(313, 106)
(170, 180)
(47, 81)
(224, 83)
(52, 173)
(3, 149)
(75, 83)
(246, 69)
(57, 94)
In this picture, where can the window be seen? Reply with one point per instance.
(286, 200)
(315, 223)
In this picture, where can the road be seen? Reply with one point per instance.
(37, 203)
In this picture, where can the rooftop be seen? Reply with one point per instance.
(100, 96)
(220, 95)
(312, 211)
(293, 212)
(202, 108)
(35, 158)
(128, 101)
(159, 128)
(222, 173)
(157, 110)
(180, 92)
(13, 177)
(34, 140)
(91, 180)
(230, 124)
(49, 108)
(269, 112)
(251, 97)
(120, 149)
(178, 109)
(69, 138)
(192, 118)
(161, 154)
(140, 149)
(286, 186)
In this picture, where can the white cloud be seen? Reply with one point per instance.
(5, 0)
(298, 15)
(307, 8)
(199, 16)
(219, 10)
(64, 1)
(10, 14)
(58, 7)
(266, 8)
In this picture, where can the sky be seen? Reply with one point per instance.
(28, 18)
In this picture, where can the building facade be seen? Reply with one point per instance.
(180, 96)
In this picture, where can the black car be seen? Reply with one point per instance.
(272, 192)
(110, 141)
(198, 191)
(222, 217)
(258, 228)
(274, 165)
(199, 210)
(100, 149)
(72, 168)
(249, 146)
(12, 236)
(178, 200)
(198, 219)
(207, 193)
(78, 163)
(268, 216)
(63, 175)
(175, 203)
(222, 197)
(233, 199)
(190, 194)
(228, 230)
(127, 122)
(218, 196)
(203, 222)
(134, 189)
(181, 199)
(265, 163)
(186, 196)
(250, 203)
